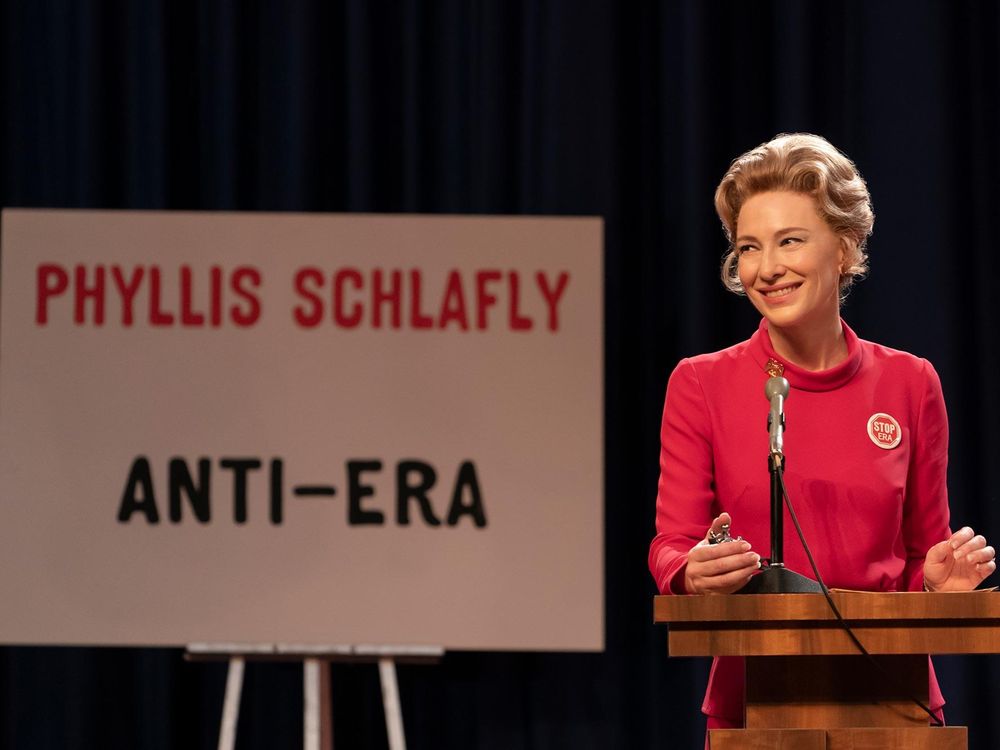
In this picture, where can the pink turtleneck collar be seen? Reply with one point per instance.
(806, 380)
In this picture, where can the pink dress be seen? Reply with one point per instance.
(870, 505)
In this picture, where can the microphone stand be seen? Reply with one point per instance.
(774, 577)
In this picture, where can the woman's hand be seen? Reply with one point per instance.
(719, 568)
(960, 563)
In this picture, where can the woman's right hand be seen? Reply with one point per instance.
(719, 568)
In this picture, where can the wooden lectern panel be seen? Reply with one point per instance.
(944, 738)
(807, 687)
(816, 692)
(767, 739)
(943, 638)
(789, 624)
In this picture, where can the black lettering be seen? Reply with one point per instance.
(406, 491)
(198, 494)
(277, 508)
(240, 467)
(139, 477)
(467, 479)
(356, 492)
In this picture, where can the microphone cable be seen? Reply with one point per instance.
(891, 678)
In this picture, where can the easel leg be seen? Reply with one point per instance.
(325, 707)
(231, 703)
(390, 704)
(317, 724)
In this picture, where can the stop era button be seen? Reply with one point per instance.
(884, 430)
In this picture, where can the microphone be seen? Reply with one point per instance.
(776, 391)
(775, 578)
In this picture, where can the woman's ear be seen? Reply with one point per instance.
(848, 253)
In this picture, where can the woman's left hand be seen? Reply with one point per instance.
(959, 563)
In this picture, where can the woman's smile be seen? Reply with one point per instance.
(780, 292)
(790, 262)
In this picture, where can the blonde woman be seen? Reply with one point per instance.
(867, 443)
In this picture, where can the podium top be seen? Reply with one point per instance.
(965, 622)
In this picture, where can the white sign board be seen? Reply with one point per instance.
(311, 429)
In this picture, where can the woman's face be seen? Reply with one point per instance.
(789, 260)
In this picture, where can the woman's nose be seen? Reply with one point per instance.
(771, 263)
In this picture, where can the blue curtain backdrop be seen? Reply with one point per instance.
(628, 110)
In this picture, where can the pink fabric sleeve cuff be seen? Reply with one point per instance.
(676, 582)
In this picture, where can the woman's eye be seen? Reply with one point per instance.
(744, 249)
(791, 240)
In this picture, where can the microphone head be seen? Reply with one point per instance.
(776, 387)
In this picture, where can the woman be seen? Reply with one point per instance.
(867, 438)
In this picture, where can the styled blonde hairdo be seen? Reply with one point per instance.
(800, 163)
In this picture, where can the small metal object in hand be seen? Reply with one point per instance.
(721, 537)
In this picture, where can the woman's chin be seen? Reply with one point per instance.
(779, 316)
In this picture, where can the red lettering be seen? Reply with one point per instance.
(484, 299)
(305, 317)
(215, 308)
(381, 296)
(82, 293)
(341, 318)
(552, 296)
(157, 317)
(453, 305)
(518, 322)
(249, 316)
(50, 281)
(127, 291)
(189, 317)
(417, 318)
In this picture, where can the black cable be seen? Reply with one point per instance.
(833, 606)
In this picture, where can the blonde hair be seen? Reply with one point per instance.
(800, 163)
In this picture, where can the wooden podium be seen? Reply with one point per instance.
(808, 688)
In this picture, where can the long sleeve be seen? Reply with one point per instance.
(925, 509)
(685, 496)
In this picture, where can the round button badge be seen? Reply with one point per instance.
(884, 430)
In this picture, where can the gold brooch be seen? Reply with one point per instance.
(774, 368)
